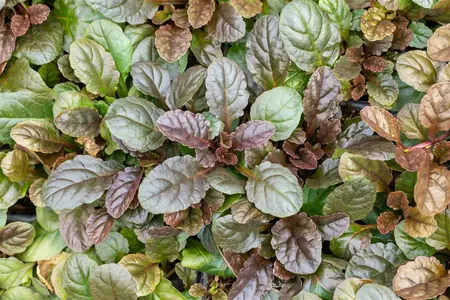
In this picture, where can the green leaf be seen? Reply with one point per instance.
(353, 167)
(383, 89)
(425, 3)
(411, 247)
(421, 35)
(140, 116)
(146, 274)
(225, 181)
(348, 288)
(379, 262)
(310, 38)
(12, 272)
(47, 218)
(78, 181)
(326, 175)
(16, 237)
(314, 200)
(356, 238)
(20, 292)
(150, 78)
(113, 248)
(131, 11)
(355, 198)
(196, 257)
(233, 236)
(265, 57)
(416, 69)
(165, 290)
(339, 13)
(162, 248)
(410, 125)
(112, 281)
(76, 274)
(10, 192)
(41, 44)
(373, 291)
(274, 190)
(45, 246)
(326, 278)
(38, 135)
(174, 185)
(16, 166)
(282, 106)
(50, 74)
(111, 37)
(70, 100)
(226, 91)
(85, 58)
(205, 48)
(440, 239)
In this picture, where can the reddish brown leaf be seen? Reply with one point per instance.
(175, 219)
(235, 260)
(180, 18)
(7, 43)
(354, 54)
(252, 134)
(328, 131)
(291, 288)
(402, 38)
(291, 149)
(411, 160)
(225, 140)
(20, 24)
(358, 92)
(206, 157)
(172, 42)
(38, 13)
(442, 152)
(306, 160)
(387, 221)
(280, 271)
(206, 212)
(316, 149)
(400, 21)
(359, 80)
(99, 225)
(298, 136)
(398, 200)
(382, 122)
(374, 64)
(200, 12)
(226, 157)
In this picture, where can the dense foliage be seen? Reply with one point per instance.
(192, 148)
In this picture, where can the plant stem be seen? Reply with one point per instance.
(244, 171)
(428, 144)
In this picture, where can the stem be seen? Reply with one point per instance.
(162, 101)
(428, 144)
(244, 171)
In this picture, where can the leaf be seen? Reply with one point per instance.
(38, 13)
(422, 278)
(348, 288)
(99, 225)
(226, 91)
(412, 159)
(322, 98)
(16, 166)
(252, 134)
(132, 121)
(111, 37)
(353, 167)
(165, 290)
(40, 136)
(282, 106)
(200, 12)
(411, 247)
(41, 44)
(78, 181)
(223, 180)
(371, 147)
(373, 291)
(332, 226)
(146, 275)
(113, 248)
(310, 38)
(73, 227)
(85, 57)
(408, 120)
(425, 3)
(172, 42)
(247, 8)
(184, 87)
(185, 127)
(226, 25)
(265, 57)
(122, 191)
(12, 272)
(162, 248)
(440, 239)
(382, 122)
(439, 44)
(387, 221)
(47, 218)
(254, 280)
(434, 107)
(421, 35)
(79, 122)
(274, 190)
(7, 44)
(20, 24)
(244, 212)
(375, 24)
(418, 225)
(150, 78)
(75, 275)
(339, 12)
(112, 280)
(45, 246)
(379, 262)
(431, 191)
(326, 175)
(205, 48)
(345, 69)
(416, 69)
(131, 11)
(355, 197)
(187, 186)
(355, 239)
(383, 90)
(16, 237)
(297, 244)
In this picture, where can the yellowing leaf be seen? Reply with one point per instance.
(172, 42)
(439, 44)
(418, 225)
(247, 8)
(375, 24)
(423, 278)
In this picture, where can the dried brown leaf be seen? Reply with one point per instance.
(382, 122)
(387, 221)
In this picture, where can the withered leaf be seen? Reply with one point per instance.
(297, 243)
(441, 152)
(382, 122)
(186, 128)
(252, 134)
(398, 200)
(172, 42)
(412, 159)
(200, 12)
(254, 280)
(99, 225)
(38, 13)
(418, 225)
(423, 278)
(387, 221)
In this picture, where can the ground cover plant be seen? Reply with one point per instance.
(241, 149)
